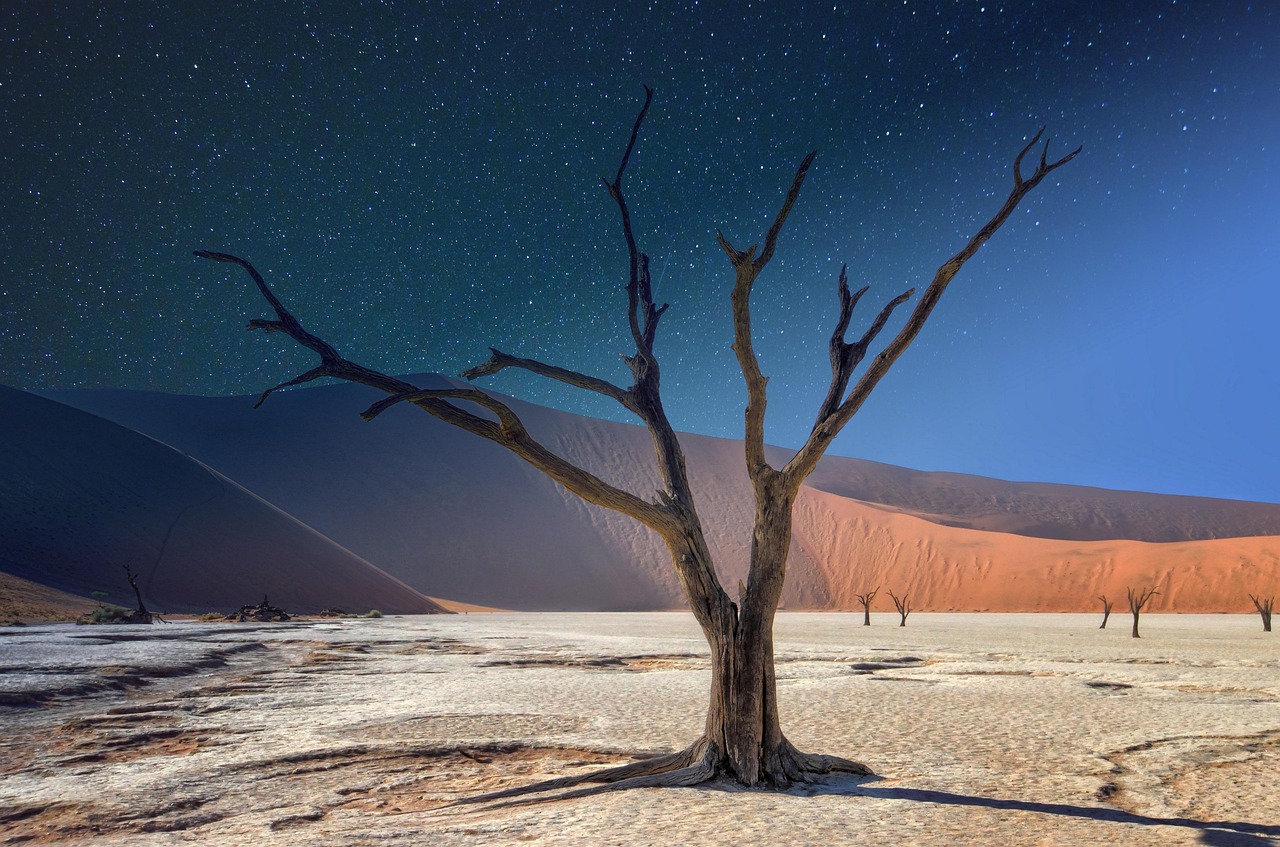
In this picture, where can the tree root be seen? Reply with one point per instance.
(698, 763)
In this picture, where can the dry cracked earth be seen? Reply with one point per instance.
(364, 731)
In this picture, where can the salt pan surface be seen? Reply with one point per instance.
(986, 729)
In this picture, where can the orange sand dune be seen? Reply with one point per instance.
(850, 547)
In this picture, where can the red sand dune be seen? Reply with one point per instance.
(454, 516)
(844, 548)
(80, 497)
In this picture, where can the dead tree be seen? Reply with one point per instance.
(1106, 610)
(140, 614)
(903, 605)
(1263, 605)
(1138, 599)
(865, 600)
(742, 738)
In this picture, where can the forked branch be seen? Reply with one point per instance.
(1138, 599)
(747, 266)
(846, 356)
(826, 429)
(903, 605)
(865, 600)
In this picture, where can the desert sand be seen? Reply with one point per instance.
(983, 729)
(23, 601)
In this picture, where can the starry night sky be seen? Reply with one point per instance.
(421, 180)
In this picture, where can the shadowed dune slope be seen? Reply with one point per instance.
(458, 517)
(80, 497)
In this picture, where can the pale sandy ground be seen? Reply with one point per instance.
(985, 729)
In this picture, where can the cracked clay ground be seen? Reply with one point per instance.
(1010, 729)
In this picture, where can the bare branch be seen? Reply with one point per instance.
(314, 373)
(499, 361)
(640, 312)
(846, 356)
(1138, 599)
(747, 266)
(508, 421)
(804, 461)
(287, 322)
(771, 238)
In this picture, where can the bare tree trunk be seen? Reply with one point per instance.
(903, 605)
(865, 600)
(1138, 599)
(1264, 606)
(1106, 610)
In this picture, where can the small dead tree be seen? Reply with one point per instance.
(140, 614)
(742, 738)
(1138, 599)
(1106, 610)
(903, 605)
(1263, 605)
(865, 600)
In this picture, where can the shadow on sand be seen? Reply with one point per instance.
(1214, 833)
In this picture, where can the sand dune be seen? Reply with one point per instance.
(82, 497)
(850, 548)
(457, 517)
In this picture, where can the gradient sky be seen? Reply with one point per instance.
(421, 180)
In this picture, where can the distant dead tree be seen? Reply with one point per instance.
(140, 614)
(903, 605)
(742, 739)
(865, 600)
(1106, 610)
(1138, 599)
(1263, 605)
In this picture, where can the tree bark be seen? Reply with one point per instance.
(1106, 611)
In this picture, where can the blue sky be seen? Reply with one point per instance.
(421, 180)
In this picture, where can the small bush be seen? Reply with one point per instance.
(110, 614)
(373, 613)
